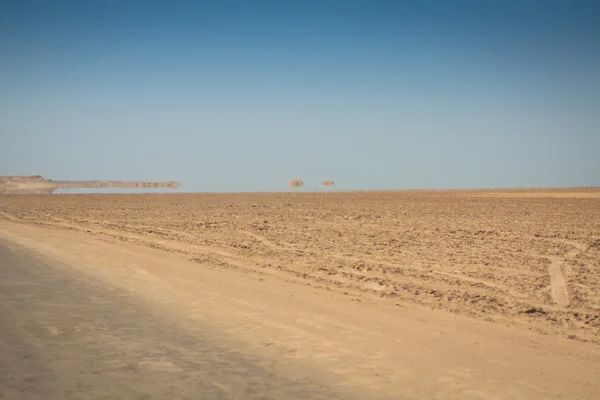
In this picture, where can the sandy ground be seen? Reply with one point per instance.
(66, 336)
(415, 294)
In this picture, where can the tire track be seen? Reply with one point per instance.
(558, 285)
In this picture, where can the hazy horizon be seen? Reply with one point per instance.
(374, 95)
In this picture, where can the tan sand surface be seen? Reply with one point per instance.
(441, 294)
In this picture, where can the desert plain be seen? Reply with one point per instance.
(523, 260)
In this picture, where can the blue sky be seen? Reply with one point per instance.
(243, 96)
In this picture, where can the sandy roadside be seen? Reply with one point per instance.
(406, 352)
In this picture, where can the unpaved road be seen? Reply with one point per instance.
(63, 336)
(91, 318)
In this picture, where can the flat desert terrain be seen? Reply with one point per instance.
(517, 266)
(512, 256)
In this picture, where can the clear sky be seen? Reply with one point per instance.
(246, 95)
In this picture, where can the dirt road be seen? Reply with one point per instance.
(63, 336)
(112, 319)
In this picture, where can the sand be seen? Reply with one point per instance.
(509, 267)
